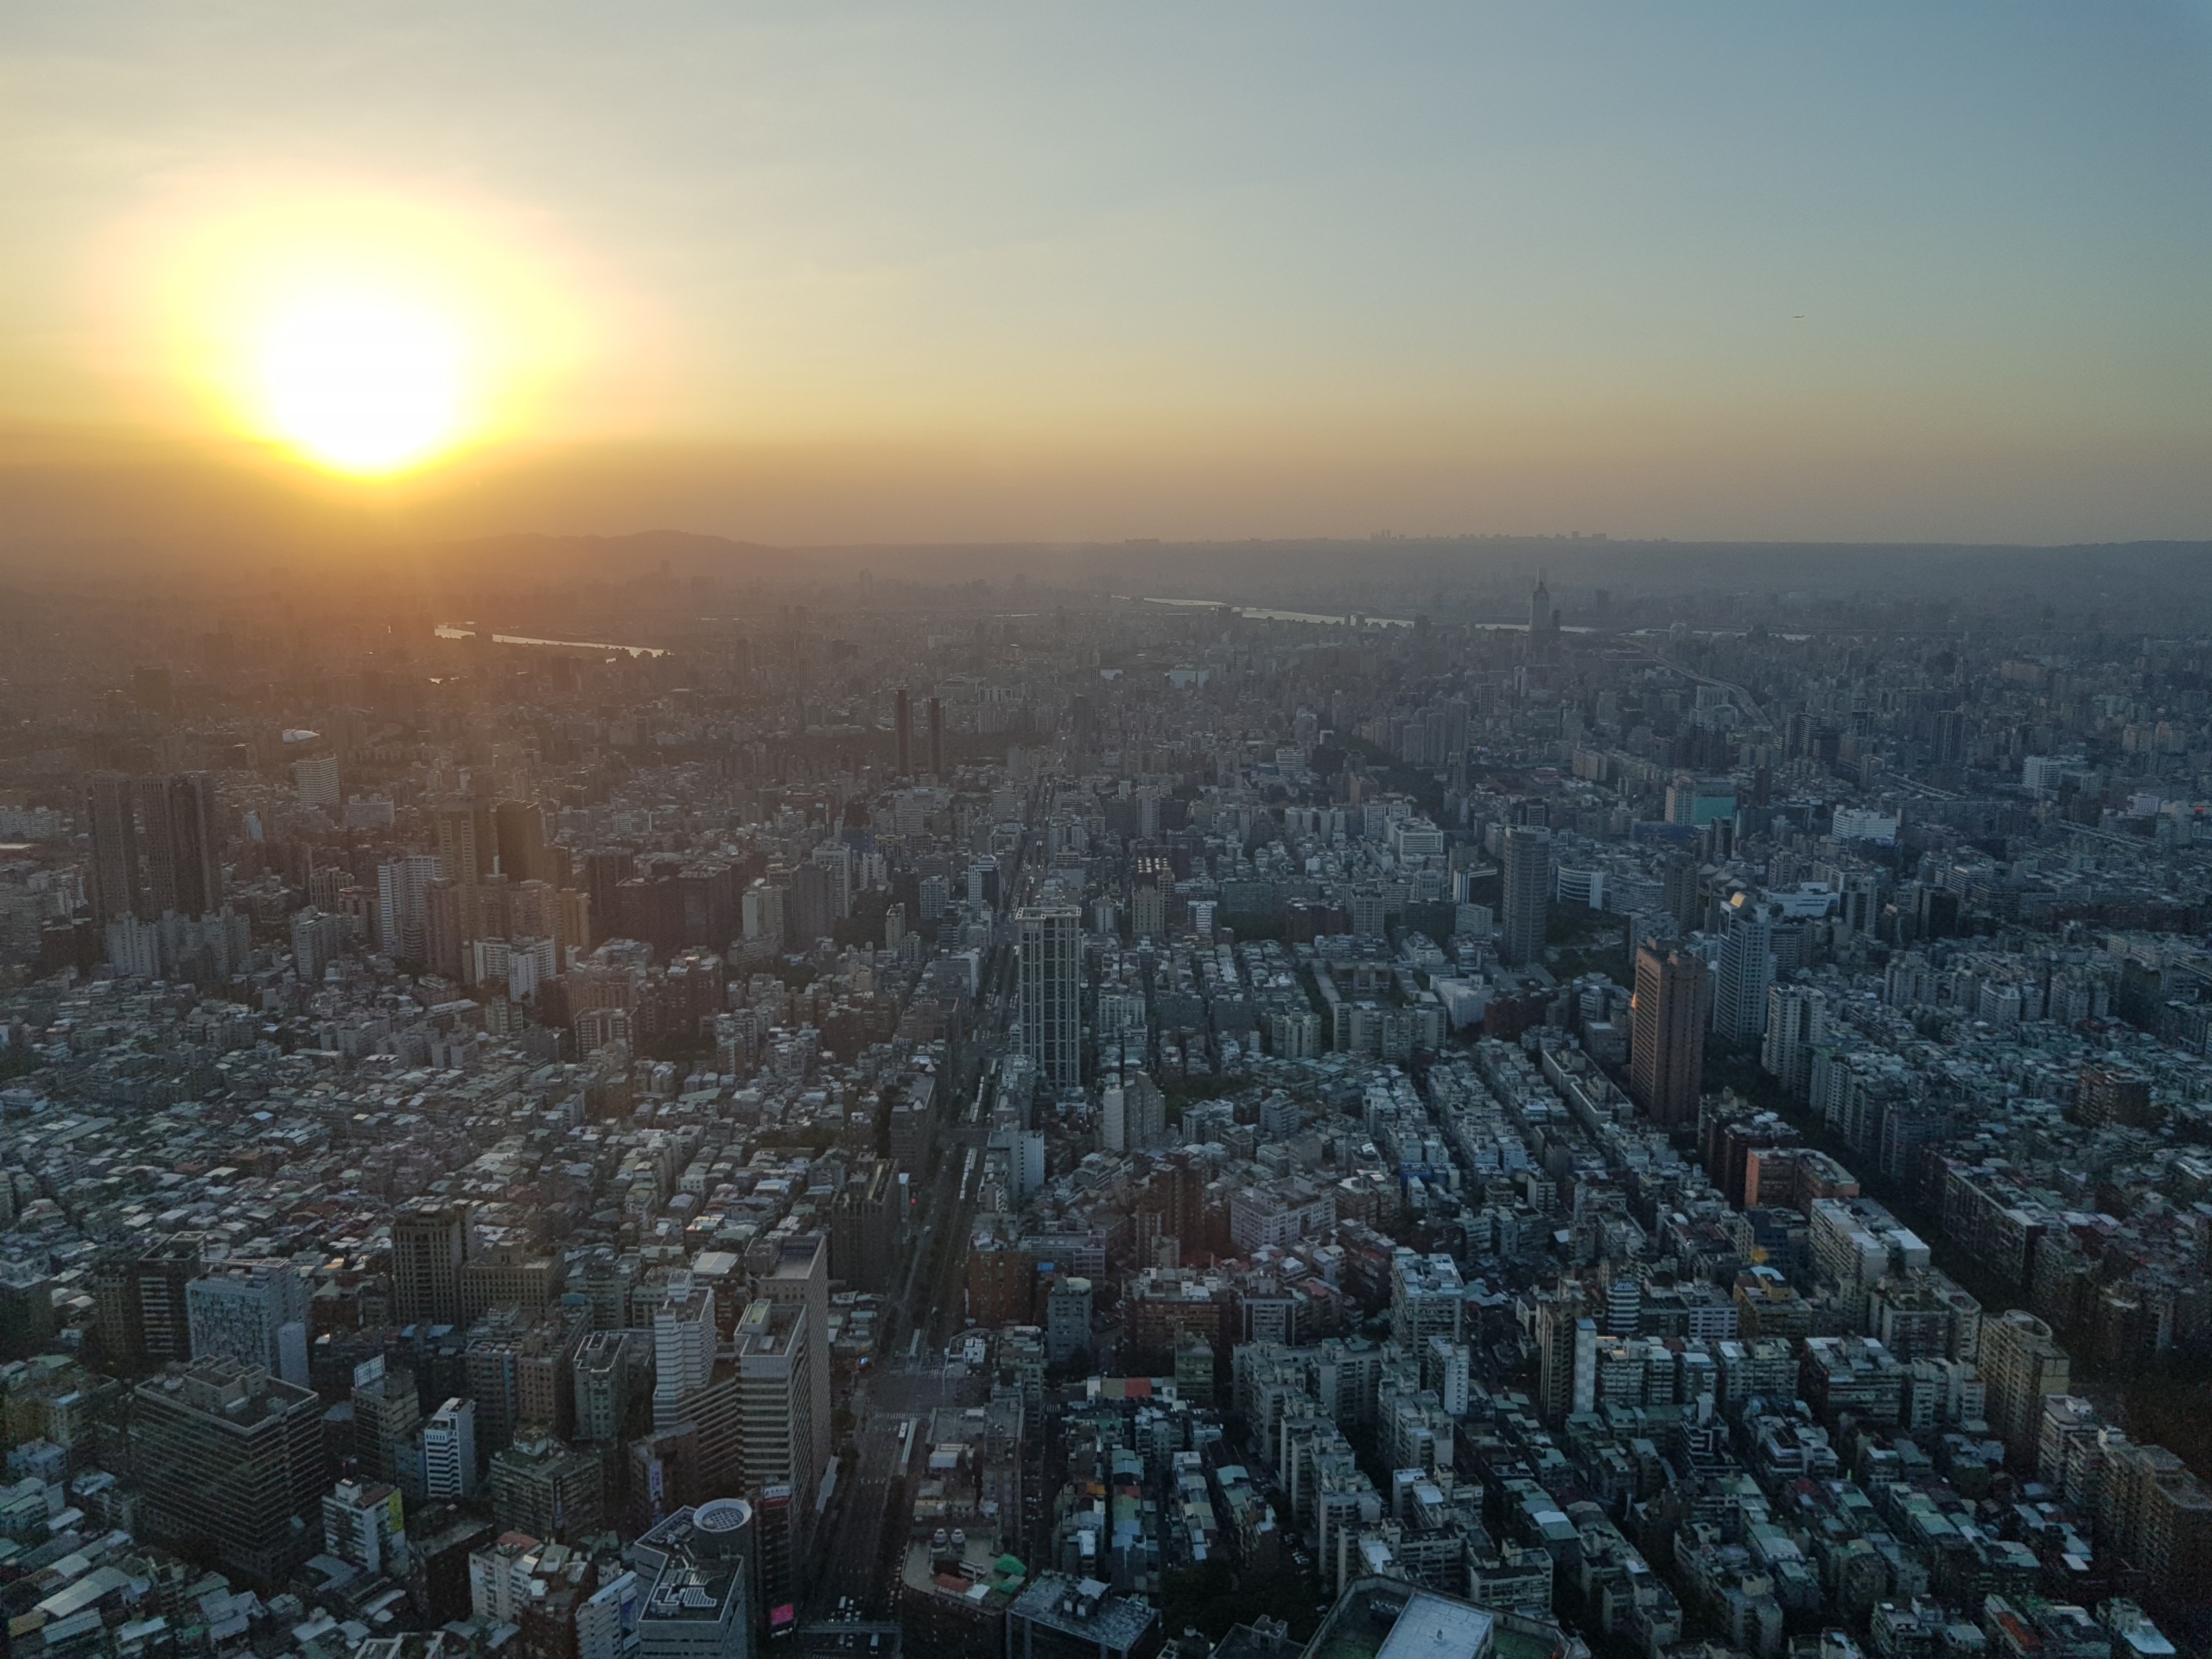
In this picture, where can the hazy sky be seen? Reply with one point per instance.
(825, 273)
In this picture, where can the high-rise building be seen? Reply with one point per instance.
(777, 1546)
(110, 808)
(775, 1389)
(387, 1419)
(762, 912)
(683, 1346)
(697, 1569)
(153, 846)
(1670, 1006)
(468, 841)
(867, 1222)
(520, 829)
(937, 737)
(1796, 1022)
(404, 905)
(811, 906)
(230, 1462)
(548, 1489)
(601, 1375)
(1543, 623)
(2020, 1365)
(1526, 880)
(449, 1451)
(158, 1300)
(902, 730)
(183, 856)
(318, 940)
(836, 859)
(25, 1306)
(1067, 1318)
(1427, 1300)
(1746, 971)
(314, 780)
(1050, 938)
(364, 1523)
(801, 1278)
(1566, 1355)
(430, 1241)
(1680, 897)
(254, 1312)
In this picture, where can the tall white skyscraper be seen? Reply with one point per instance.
(1050, 941)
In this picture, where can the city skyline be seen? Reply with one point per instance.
(1245, 832)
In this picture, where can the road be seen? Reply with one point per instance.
(851, 1564)
(859, 1557)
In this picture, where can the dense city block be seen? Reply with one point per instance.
(680, 1119)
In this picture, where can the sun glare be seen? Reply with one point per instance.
(363, 382)
(366, 335)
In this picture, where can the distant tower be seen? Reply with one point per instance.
(937, 737)
(902, 728)
(1543, 623)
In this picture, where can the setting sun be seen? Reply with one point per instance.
(363, 334)
(363, 382)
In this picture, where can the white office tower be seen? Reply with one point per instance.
(449, 1451)
(1113, 1118)
(404, 905)
(1796, 1021)
(253, 1311)
(683, 1346)
(1050, 938)
(1746, 971)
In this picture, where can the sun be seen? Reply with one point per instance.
(363, 332)
(362, 382)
